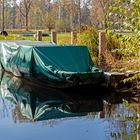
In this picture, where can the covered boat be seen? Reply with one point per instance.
(48, 63)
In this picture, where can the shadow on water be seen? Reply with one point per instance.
(36, 103)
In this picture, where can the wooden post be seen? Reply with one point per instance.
(39, 36)
(54, 37)
(73, 37)
(102, 44)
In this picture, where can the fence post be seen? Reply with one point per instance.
(54, 37)
(39, 35)
(73, 37)
(102, 44)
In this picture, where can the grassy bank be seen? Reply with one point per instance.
(62, 38)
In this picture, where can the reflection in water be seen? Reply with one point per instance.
(32, 103)
(37, 103)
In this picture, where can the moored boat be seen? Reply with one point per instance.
(45, 62)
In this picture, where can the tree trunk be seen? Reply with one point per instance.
(49, 29)
(2, 15)
(14, 17)
(79, 15)
(26, 22)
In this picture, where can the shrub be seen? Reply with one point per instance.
(89, 37)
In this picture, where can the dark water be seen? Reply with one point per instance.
(31, 112)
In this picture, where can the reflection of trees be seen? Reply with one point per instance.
(126, 121)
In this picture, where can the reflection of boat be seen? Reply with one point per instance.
(36, 103)
(57, 66)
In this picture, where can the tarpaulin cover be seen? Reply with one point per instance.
(56, 63)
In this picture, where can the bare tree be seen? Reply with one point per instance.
(24, 7)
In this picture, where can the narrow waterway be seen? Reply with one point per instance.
(32, 112)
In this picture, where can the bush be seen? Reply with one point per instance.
(89, 37)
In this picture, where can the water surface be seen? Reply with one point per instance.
(30, 111)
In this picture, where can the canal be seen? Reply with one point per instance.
(32, 112)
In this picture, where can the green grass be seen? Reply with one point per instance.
(15, 37)
(62, 38)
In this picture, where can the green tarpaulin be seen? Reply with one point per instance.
(41, 60)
